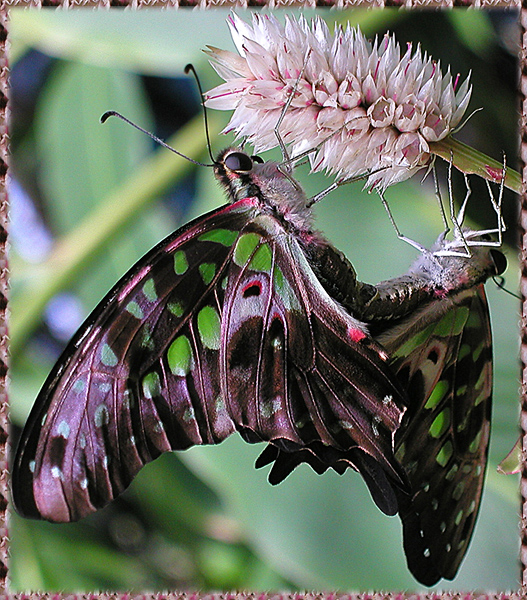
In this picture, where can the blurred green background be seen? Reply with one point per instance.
(87, 200)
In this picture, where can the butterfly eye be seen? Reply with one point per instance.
(500, 261)
(238, 162)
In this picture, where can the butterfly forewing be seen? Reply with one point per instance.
(139, 378)
(221, 327)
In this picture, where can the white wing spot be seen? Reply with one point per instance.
(376, 420)
(101, 416)
(32, 466)
(189, 415)
(56, 473)
(63, 429)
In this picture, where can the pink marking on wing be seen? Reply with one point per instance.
(495, 174)
(355, 334)
(133, 282)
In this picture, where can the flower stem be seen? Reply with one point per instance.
(468, 160)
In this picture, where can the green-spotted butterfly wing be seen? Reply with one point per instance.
(222, 327)
(434, 322)
(442, 353)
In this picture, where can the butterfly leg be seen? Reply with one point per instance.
(287, 161)
(440, 200)
(402, 237)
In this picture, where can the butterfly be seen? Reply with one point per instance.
(229, 324)
(434, 323)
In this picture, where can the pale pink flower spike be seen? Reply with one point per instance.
(365, 108)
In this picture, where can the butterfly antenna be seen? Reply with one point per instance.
(188, 68)
(500, 283)
(114, 113)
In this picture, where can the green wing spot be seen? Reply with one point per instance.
(207, 272)
(414, 342)
(440, 424)
(179, 356)
(79, 385)
(108, 357)
(135, 310)
(483, 395)
(262, 259)
(226, 237)
(481, 380)
(151, 385)
(180, 262)
(474, 444)
(176, 308)
(465, 350)
(245, 247)
(458, 490)
(452, 323)
(209, 327)
(474, 321)
(452, 472)
(279, 280)
(458, 518)
(443, 456)
(149, 290)
(147, 341)
(461, 391)
(399, 455)
(101, 416)
(437, 394)
(284, 290)
(462, 315)
(477, 351)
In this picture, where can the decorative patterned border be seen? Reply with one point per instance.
(137, 4)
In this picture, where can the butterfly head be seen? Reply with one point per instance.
(245, 176)
(451, 271)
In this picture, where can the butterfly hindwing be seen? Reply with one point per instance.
(299, 370)
(447, 365)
